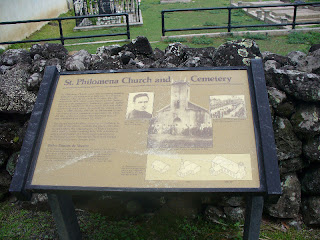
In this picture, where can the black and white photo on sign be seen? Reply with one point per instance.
(180, 123)
(140, 105)
(228, 106)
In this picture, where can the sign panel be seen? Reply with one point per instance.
(169, 129)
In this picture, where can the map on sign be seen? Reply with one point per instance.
(170, 129)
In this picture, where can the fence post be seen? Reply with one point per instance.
(294, 17)
(61, 32)
(162, 20)
(229, 19)
(128, 28)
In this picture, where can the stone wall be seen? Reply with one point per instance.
(294, 95)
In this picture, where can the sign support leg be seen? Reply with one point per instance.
(64, 216)
(253, 218)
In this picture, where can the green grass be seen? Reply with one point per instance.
(301, 38)
(19, 223)
(151, 28)
(202, 40)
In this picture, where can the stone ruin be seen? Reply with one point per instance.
(293, 83)
(95, 7)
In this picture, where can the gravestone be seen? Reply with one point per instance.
(95, 7)
(104, 7)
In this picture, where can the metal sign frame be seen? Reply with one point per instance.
(59, 196)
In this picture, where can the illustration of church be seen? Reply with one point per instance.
(181, 118)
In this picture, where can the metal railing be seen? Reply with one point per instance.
(62, 38)
(230, 8)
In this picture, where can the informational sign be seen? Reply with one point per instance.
(166, 129)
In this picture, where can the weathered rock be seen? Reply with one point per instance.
(311, 149)
(285, 109)
(10, 133)
(306, 120)
(312, 64)
(158, 54)
(214, 214)
(108, 51)
(297, 58)
(126, 56)
(301, 85)
(311, 181)
(311, 210)
(192, 62)
(175, 49)
(314, 48)
(235, 214)
(49, 50)
(38, 65)
(287, 143)
(265, 54)
(140, 45)
(269, 67)
(288, 204)
(5, 180)
(12, 162)
(14, 97)
(207, 52)
(33, 83)
(4, 68)
(197, 57)
(276, 97)
(162, 64)
(14, 56)
(282, 60)
(236, 53)
(3, 157)
(291, 165)
(79, 61)
(174, 54)
(39, 198)
(58, 63)
(233, 201)
(98, 63)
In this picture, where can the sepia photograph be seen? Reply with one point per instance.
(140, 105)
(181, 123)
(227, 106)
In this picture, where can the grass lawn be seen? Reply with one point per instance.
(19, 223)
(151, 28)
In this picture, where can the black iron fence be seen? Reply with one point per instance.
(230, 8)
(62, 38)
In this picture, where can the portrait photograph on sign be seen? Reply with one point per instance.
(154, 129)
(140, 105)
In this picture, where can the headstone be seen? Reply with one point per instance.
(94, 7)
(259, 13)
(104, 7)
(266, 14)
(80, 9)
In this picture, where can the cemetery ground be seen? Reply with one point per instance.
(18, 222)
(151, 28)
